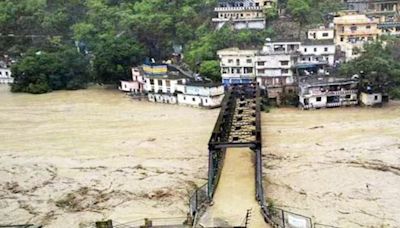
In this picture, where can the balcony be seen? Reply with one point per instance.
(344, 92)
(238, 9)
(343, 103)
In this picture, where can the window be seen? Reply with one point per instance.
(205, 101)
(151, 81)
(194, 99)
(6, 73)
(315, 49)
(319, 99)
(159, 82)
(376, 97)
(168, 82)
(305, 49)
(284, 63)
(348, 96)
(368, 26)
(238, 62)
(248, 70)
(261, 63)
(230, 60)
(370, 38)
(285, 71)
(353, 28)
(326, 49)
(341, 38)
(184, 98)
(260, 71)
(325, 34)
(248, 61)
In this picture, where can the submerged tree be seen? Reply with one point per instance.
(378, 68)
(41, 72)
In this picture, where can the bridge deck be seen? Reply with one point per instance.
(235, 193)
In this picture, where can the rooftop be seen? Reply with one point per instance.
(317, 42)
(203, 84)
(312, 81)
(354, 19)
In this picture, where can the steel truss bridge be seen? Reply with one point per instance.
(238, 125)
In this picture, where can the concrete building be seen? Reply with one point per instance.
(327, 92)
(200, 94)
(390, 28)
(275, 61)
(237, 66)
(371, 99)
(242, 13)
(273, 67)
(384, 10)
(352, 31)
(135, 86)
(163, 84)
(318, 52)
(321, 33)
(5, 76)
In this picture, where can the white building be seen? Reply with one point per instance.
(326, 92)
(371, 99)
(321, 33)
(162, 89)
(274, 63)
(163, 85)
(5, 76)
(317, 52)
(201, 94)
(137, 83)
(237, 66)
(242, 13)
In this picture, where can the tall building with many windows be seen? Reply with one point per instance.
(242, 13)
(352, 31)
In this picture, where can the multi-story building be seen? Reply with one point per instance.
(327, 92)
(242, 13)
(317, 52)
(274, 66)
(200, 94)
(5, 76)
(162, 83)
(237, 66)
(274, 63)
(352, 31)
(384, 10)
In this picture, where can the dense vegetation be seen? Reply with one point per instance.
(378, 67)
(112, 35)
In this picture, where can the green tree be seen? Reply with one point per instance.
(377, 67)
(114, 57)
(41, 72)
(211, 70)
(300, 11)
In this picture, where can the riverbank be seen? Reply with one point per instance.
(70, 158)
(339, 166)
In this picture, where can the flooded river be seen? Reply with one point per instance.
(69, 158)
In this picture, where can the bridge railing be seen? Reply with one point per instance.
(281, 218)
(198, 200)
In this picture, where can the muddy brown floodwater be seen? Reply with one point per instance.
(339, 166)
(70, 158)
